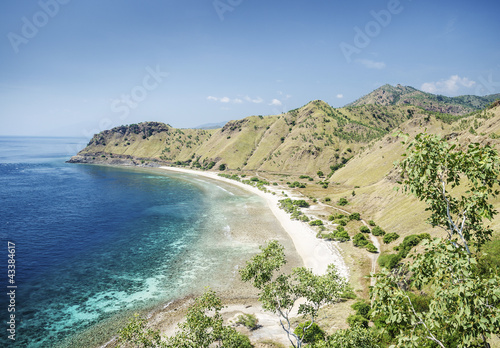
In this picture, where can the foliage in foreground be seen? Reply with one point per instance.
(203, 328)
(279, 293)
(464, 303)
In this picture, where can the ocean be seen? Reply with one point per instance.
(93, 244)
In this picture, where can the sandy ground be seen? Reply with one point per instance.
(317, 254)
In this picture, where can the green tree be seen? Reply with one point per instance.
(203, 328)
(279, 292)
(354, 337)
(464, 308)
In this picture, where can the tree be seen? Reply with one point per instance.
(464, 304)
(203, 328)
(279, 293)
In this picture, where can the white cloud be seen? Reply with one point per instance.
(257, 100)
(212, 98)
(275, 102)
(340, 96)
(237, 101)
(371, 64)
(449, 86)
(224, 100)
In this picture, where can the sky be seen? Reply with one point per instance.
(75, 67)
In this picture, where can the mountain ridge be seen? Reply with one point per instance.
(397, 95)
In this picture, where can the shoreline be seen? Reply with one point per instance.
(315, 253)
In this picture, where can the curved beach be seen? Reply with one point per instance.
(315, 253)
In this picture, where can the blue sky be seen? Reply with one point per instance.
(74, 67)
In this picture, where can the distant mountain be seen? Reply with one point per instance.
(401, 95)
(215, 125)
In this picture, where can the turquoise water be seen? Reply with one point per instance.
(94, 243)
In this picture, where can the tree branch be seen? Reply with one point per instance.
(431, 336)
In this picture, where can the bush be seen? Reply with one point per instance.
(316, 223)
(372, 223)
(312, 334)
(353, 337)
(343, 201)
(359, 240)
(354, 216)
(357, 320)
(371, 248)
(364, 229)
(248, 320)
(341, 222)
(301, 203)
(222, 167)
(377, 231)
(390, 237)
(362, 308)
(389, 261)
(339, 235)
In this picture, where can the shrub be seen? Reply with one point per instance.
(389, 261)
(301, 203)
(364, 229)
(312, 334)
(343, 201)
(222, 167)
(371, 248)
(362, 308)
(341, 222)
(377, 231)
(390, 237)
(254, 178)
(331, 218)
(327, 199)
(359, 240)
(354, 216)
(372, 223)
(339, 235)
(320, 173)
(248, 320)
(357, 320)
(316, 223)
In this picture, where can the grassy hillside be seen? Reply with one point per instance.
(401, 95)
(305, 140)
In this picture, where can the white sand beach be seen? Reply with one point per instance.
(316, 253)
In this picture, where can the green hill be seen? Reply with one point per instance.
(401, 95)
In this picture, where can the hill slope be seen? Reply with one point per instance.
(400, 95)
(305, 140)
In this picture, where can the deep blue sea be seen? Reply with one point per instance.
(94, 244)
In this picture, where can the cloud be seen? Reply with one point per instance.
(275, 102)
(340, 96)
(371, 64)
(225, 100)
(257, 100)
(449, 86)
